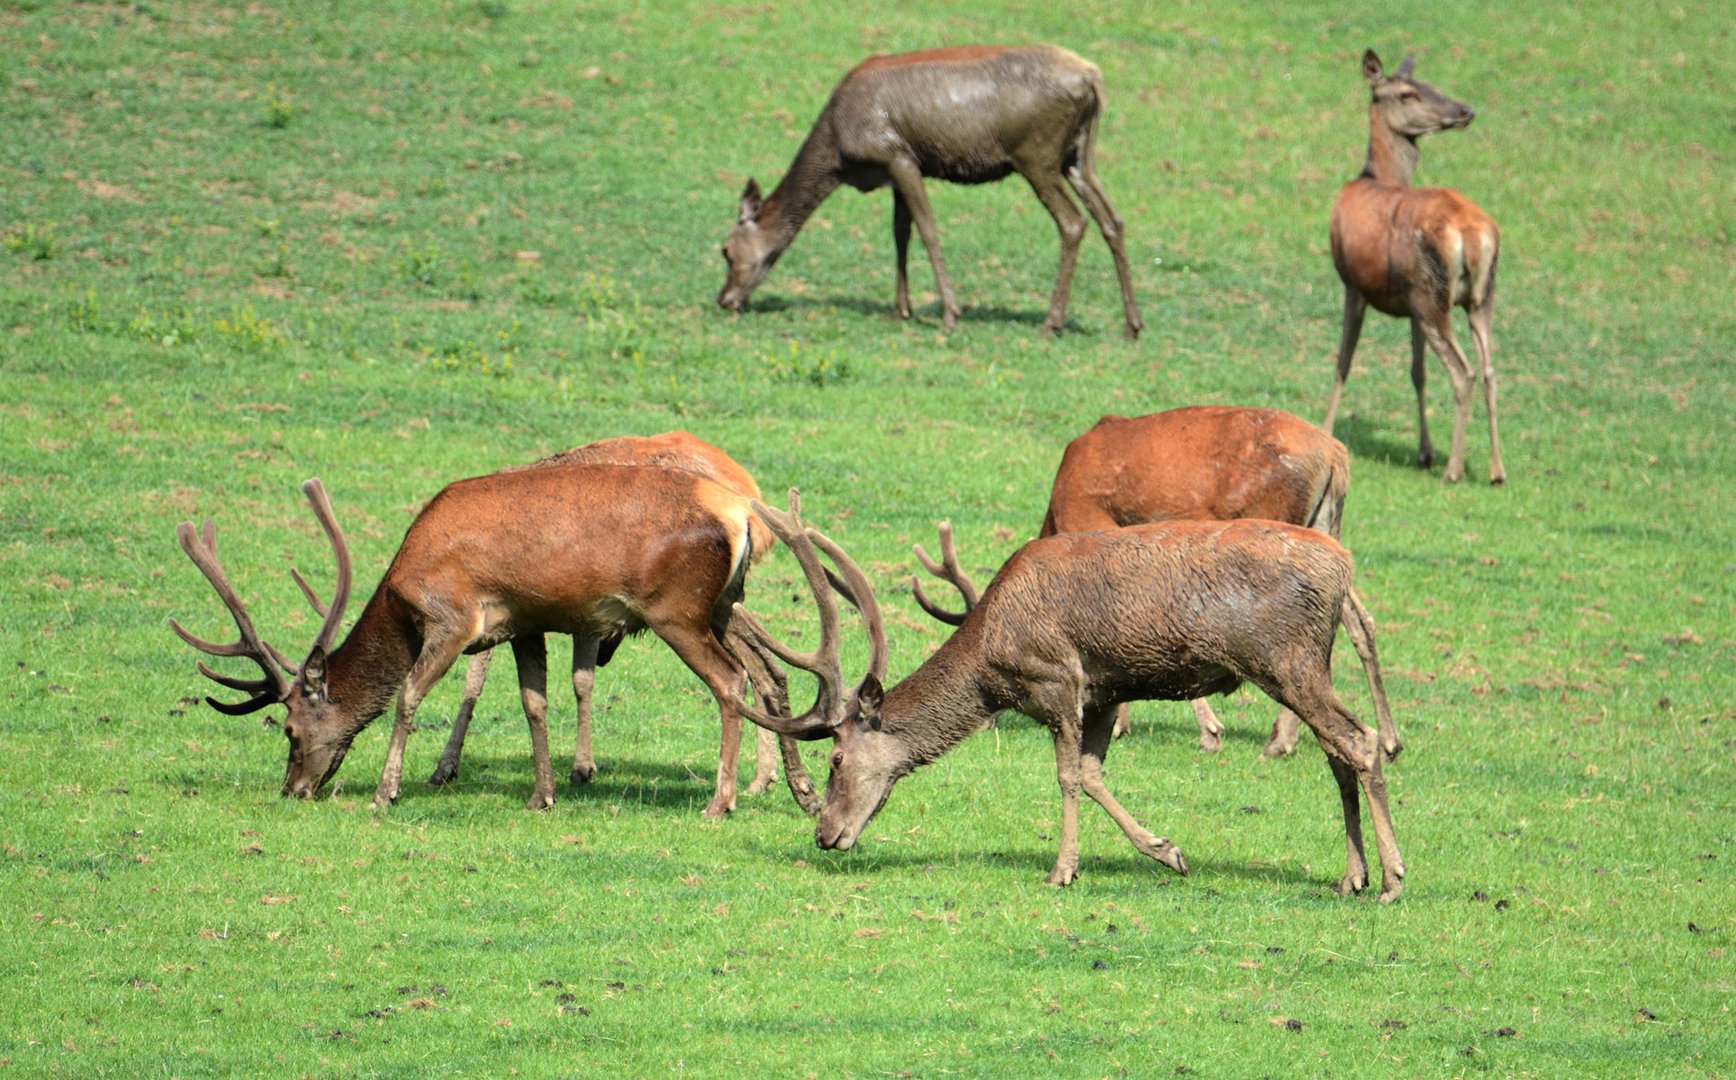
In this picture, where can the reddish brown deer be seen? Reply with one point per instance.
(1206, 463)
(968, 115)
(1416, 253)
(1073, 625)
(595, 551)
(670, 450)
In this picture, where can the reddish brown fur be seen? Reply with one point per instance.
(592, 550)
(670, 450)
(1416, 253)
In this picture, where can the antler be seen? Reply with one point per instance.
(946, 570)
(832, 702)
(274, 687)
(334, 612)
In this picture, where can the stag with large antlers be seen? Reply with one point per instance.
(668, 450)
(597, 551)
(1416, 253)
(1072, 626)
(1203, 463)
(970, 115)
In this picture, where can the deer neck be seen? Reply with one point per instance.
(1392, 157)
(812, 178)
(941, 703)
(369, 667)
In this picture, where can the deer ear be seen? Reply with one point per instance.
(869, 697)
(1404, 69)
(1372, 69)
(313, 673)
(750, 201)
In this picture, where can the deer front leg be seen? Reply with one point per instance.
(907, 182)
(1098, 728)
(475, 675)
(901, 253)
(1355, 307)
(531, 654)
(1211, 730)
(437, 656)
(584, 687)
(1083, 178)
(1067, 755)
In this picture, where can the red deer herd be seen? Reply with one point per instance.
(1182, 554)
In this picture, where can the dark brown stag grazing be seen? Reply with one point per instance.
(670, 450)
(968, 115)
(1205, 463)
(1072, 626)
(595, 551)
(1416, 253)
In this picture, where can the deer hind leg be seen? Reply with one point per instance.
(1083, 178)
(901, 252)
(907, 183)
(1286, 730)
(1352, 749)
(1437, 328)
(1359, 624)
(475, 675)
(1355, 307)
(1097, 730)
(1480, 315)
(435, 659)
(530, 653)
(1071, 224)
(1211, 730)
(1067, 756)
(1123, 720)
(772, 692)
(585, 649)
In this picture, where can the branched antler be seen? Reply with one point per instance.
(832, 702)
(275, 685)
(947, 570)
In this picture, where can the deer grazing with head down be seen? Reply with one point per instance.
(669, 450)
(1416, 253)
(1073, 625)
(969, 115)
(1204, 463)
(595, 551)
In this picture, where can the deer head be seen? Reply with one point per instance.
(1408, 107)
(866, 760)
(320, 729)
(749, 252)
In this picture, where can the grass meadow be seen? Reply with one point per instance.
(394, 244)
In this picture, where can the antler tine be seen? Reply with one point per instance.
(823, 662)
(268, 690)
(319, 605)
(947, 570)
(856, 589)
(333, 613)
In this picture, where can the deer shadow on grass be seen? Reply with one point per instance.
(925, 315)
(1369, 441)
(619, 781)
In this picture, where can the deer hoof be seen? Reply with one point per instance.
(760, 785)
(1210, 742)
(1132, 331)
(540, 800)
(582, 774)
(1351, 884)
(1389, 891)
(443, 774)
(1391, 751)
(1169, 855)
(718, 809)
(1276, 748)
(1061, 876)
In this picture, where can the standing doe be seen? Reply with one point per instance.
(1416, 253)
(595, 551)
(969, 115)
(1073, 625)
(1204, 463)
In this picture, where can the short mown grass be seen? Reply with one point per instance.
(391, 245)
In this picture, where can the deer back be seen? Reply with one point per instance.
(574, 548)
(1203, 462)
(1172, 610)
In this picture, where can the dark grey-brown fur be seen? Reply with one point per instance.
(969, 115)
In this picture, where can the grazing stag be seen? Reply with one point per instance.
(1416, 253)
(669, 450)
(1073, 625)
(1205, 463)
(969, 115)
(595, 551)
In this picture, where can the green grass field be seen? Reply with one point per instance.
(391, 245)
